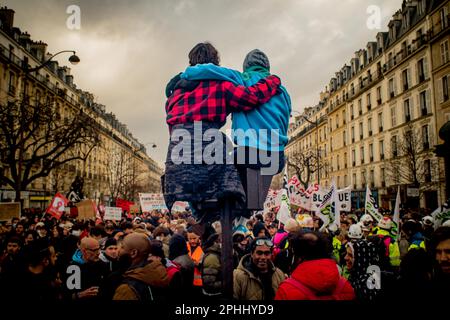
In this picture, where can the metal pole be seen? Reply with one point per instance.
(227, 251)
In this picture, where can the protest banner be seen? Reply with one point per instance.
(371, 206)
(344, 199)
(273, 200)
(328, 211)
(86, 209)
(124, 204)
(57, 206)
(113, 213)
(180, 206)
(152, 201)
(9, 210)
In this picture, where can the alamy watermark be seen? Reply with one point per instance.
(73, 22)
(191, 149)
(374, 20)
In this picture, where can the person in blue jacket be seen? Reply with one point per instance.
(260, 134)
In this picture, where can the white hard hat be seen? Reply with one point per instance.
(428, 221)
(446, 223)
(385, 223)
(366, 218)
(355, 231)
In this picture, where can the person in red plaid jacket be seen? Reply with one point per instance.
(208, 103)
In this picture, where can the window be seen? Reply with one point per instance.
(343, 117)
(444, 17)
(354, 181)
(337, 162)
(360, 106)
(407, 110)
(422, 70)
(406, 78)
(379, 95)
(427, 170)
(353, 134)
(381, 147)
(361, 150)
(371, 152)
(391, 87)
(12, 83)
(369, 104)
(443, 89)
(369, 125)
(383, 177)
(363, 177)
(361, 131)
(344, 138)
(393, 116)
(425, 138)
(352, 88)
(345, 160)
(424, 99)
(444, 52)
(380, 121)
(352, 114)
(394, 146)
(353, 157)
(337, 121)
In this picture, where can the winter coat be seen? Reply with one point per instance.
(212, 271)
(248, 286)
(153, 275)
(319, 279)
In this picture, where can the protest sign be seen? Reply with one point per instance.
(152, 201)
(344, 199)
(113, 213)
(86, 210)
(9, 210)
(57, 206)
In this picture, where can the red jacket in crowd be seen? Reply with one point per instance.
(316, 280)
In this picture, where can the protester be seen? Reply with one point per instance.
(109, 254)
(142, 279)
(211, 268)
(315, 276)
(256, 278)
(440, 251)
(178, 253)
(196, 182)
(196, 253)
(93, 271)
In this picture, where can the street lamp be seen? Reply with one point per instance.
(73, 59)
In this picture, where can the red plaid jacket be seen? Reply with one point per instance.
(212, 101)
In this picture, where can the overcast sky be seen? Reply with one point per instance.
(130, 49)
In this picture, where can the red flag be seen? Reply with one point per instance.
(57, 206)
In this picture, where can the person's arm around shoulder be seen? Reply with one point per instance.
(242, 98)
(210, 71)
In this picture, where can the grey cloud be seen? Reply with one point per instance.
(130, 49)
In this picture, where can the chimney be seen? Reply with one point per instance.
(62, 73)
(69, 79)
(39, 49)
(7, 18)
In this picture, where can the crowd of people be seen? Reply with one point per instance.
(160, 256)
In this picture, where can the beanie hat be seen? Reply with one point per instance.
(257, 228)
(110, 242)
(256, 58)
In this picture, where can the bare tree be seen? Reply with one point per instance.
(305, 164)
(410, 162)
(34, 141)
(125, 175)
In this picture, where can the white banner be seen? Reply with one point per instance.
(113, 213)
(152, 201)
(371, 206)
(273, 200)
(180, 206)
(344, 201)
(328, 211)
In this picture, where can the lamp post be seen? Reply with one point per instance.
(73, 59)
(316, 125)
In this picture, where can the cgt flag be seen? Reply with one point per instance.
(57, 206)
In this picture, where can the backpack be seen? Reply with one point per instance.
(172, 268)
(311, 295)
(142, 290)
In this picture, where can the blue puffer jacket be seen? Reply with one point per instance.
(272, 118)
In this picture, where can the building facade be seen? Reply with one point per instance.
(119, 156)
(384, 109)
